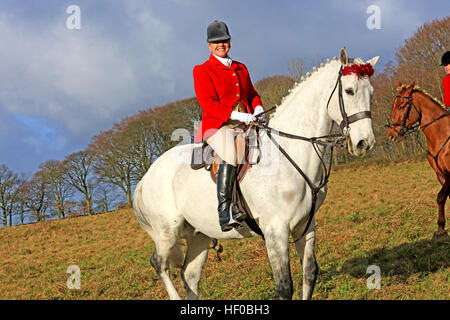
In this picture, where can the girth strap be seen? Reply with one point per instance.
(436, 157)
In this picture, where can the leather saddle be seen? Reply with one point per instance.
(247, 150)
(248, 154)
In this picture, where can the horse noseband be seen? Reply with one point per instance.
(346, 120)
(404, 129)
(356, 117)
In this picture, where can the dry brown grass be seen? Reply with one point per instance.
(383, 215)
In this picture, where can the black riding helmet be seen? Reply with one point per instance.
(445, 59)
(217, 30)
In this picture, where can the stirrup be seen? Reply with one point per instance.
(239, 216)
(232, 223)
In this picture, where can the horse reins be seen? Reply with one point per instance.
(340, 140)
(325, 171)
(404, 130)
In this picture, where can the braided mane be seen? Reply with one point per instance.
(303, 80)
(421, 90)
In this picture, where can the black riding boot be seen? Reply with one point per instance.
(228, 219)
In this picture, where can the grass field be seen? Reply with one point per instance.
(373, 215)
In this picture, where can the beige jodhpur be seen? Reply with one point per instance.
(223, 142)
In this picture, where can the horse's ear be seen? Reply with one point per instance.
(409, 88)
(373, 61)
(399, 84)
(343, 56)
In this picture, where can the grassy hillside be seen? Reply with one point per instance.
(382, 215)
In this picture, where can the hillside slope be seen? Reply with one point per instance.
(382, 215)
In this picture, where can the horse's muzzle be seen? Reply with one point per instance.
(363, 145)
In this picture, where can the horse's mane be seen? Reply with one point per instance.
(426, 93)
(299, 84)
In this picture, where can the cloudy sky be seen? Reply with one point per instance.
(61, 86)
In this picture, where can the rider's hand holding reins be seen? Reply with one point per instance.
(259, 113)
(242, 117)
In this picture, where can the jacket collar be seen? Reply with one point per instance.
(213, 60)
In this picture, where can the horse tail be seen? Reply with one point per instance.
(176, 256)
(139, 210)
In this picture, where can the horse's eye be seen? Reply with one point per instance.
(402, 106)
(349, 91)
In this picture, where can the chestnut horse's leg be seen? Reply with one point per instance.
(441, 199)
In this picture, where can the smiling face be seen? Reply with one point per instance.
(220, 48)
(447, 68)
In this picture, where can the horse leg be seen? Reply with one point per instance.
(160, 260)
(441, 199)
(196, 254)
(305, 250)
(277, 244)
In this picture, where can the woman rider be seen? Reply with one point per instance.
(227, 97)
(445, 62)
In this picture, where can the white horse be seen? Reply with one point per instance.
(173, 202)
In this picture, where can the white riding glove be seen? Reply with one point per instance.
(242, 117)
(258, 110)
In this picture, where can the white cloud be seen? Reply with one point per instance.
(84, 78)
(136, 54)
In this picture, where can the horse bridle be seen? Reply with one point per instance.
(331, 140)
(404, 129)
(346, 120)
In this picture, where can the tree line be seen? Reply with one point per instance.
(95, 179)
(92, 180)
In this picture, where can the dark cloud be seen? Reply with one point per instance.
(60, 87)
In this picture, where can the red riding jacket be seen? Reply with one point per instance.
(446, 85)
(218, 88)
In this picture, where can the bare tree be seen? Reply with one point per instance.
(60, 188)
(146, 143)
(80, 174)
(296, 69)
(192, 115)
(273, 89)
(20, 208)
(113, 163)
(105, 197)
(9, 183)
(35, 196)
(419, 58)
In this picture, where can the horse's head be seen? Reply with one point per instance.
(350, 105)
(404, 113)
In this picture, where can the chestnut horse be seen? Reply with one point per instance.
(413, 109)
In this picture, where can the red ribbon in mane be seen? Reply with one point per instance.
(361, 70)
